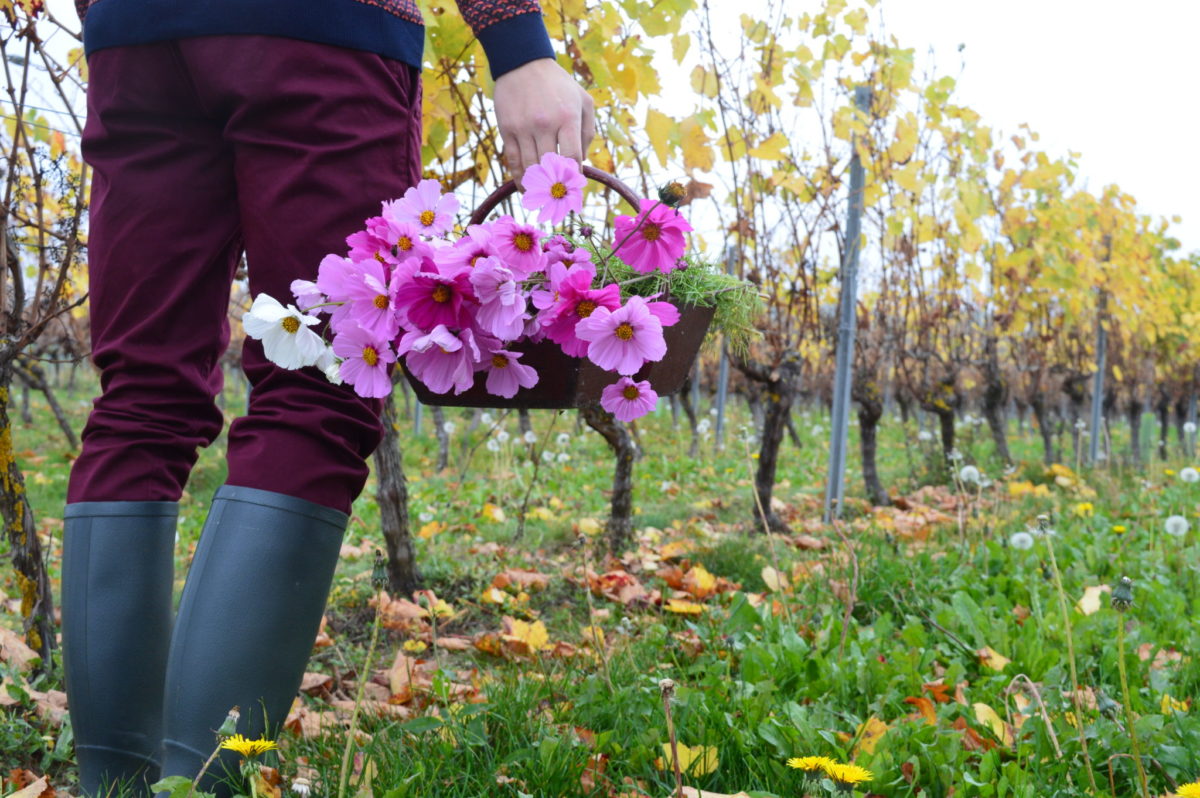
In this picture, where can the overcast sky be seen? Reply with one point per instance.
(1112, 80)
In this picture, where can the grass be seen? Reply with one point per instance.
(764, 671)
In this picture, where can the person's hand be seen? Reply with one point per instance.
(541, 109)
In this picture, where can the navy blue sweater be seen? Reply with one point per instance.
(511, 31)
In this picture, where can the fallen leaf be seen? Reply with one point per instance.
(699, 760)
(924, 707)
(313, 683)
(684, 607)
(869, 734)
(1091, 601)
(14, 651)
(32, 790)
(774, 580)
(939, 690)
(988, 717)
(991, 658)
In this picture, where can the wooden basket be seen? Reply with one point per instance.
(565, 381)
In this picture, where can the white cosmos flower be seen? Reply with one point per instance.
(287, 341)
(924, 435)
(327, 362)
(530, 437)
(1177, 525)
(969, 474)
(1189, 474)
(1021, 541)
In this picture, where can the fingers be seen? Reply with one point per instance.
(570, 140)
(529, 156)
(589, 123)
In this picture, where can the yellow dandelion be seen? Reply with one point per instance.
(1191, 790)
(248, 748)
(1119, 529)
(416, 646)
(810, 764)
(847, 775)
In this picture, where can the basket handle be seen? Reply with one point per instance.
(507, 188)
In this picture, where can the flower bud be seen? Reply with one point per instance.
(229, 726)
(1122, 595)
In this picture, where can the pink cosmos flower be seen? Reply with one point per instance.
(559, 250)
(554, 188)
(623, 340)
(371, 302)
(519, 246)
(658, 243)
(425, 206)
(440, 359)
(430, 298)
(364, 361)
(506, 376)
(628, 400)
(307, 295)
(575, 300)
(407, 242)
(371, 242)
(467, 251)
(501, 304)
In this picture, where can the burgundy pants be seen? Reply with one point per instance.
(203, 149)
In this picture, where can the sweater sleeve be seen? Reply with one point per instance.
(511, 31)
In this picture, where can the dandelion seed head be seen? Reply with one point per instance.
(1021, 541)
(1177, 526)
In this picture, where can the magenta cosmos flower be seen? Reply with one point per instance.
(440, 359)
(571, 298)
(501, 304)
(371, 298)
(505, 375)
(467, 251)
(518, 245)
(364, 361)
(430, 298)
(623, 340)
(554, 188)
(425, 206)
(628, 400)
(654, 240)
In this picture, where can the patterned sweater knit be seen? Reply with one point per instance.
(511, 31)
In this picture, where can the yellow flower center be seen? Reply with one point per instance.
(631, 392)
(651, 231)
(523, 242)
(624, 331)
(500, 361)
(584, 308)
(427, 218)
(406, 243)
(558, 191)
(370, 356)
(381, 301)
(290, 324)
(441, 293)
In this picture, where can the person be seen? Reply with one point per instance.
(271, 128)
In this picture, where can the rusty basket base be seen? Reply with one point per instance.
(566, 382)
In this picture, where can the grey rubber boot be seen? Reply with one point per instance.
(117, 575)
(248, 617)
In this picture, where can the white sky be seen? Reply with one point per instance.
(1112, 80)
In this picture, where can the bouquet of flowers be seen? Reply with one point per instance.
(454, 308)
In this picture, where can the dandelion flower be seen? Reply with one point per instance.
(1189, 427)
(301, 786)
(847, 776)
(1177, 525)
(969, 474)
(530, 436)
(1021, 541)
(248, 748)
(924, 436)
(1189, 790)
(563, 457)
(563, 439)
(1119, 529)
(810, 764)
(1189, 474)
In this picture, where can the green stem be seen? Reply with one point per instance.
(1133, 740)
(1064, 608)
(344, 778)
